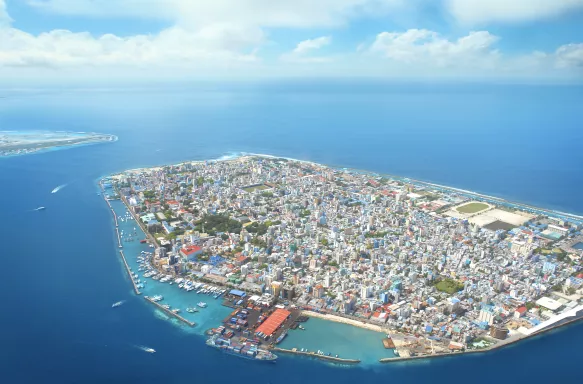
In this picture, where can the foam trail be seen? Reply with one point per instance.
(57, 189)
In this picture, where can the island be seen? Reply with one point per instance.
(14, 143)
(439, 270)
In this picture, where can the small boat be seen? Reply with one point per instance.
(202, 304)
(117, 304)
(191, 310)
(146, 349)
(143, 241)
(40, 209)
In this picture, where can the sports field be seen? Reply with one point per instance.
(472, 207)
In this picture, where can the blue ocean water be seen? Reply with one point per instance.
(61, 267)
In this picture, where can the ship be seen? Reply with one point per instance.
(246, 350)
(201, 304)
(117, 304)
(40, 209)
(281, 337)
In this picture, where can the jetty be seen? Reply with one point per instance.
(136, 290)
(333, 359)
(170, 313)
(118, 237)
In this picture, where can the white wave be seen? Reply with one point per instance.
(57, 189)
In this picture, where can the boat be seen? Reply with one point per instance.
(40, 209)
(281, 337)
(202, 304)
(143, 241)
(117, 304)
(191, 310)
(147, 349)
(246, 350)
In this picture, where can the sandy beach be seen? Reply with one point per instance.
(338, 319)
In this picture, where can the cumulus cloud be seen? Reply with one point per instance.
(485, 11)
(570, 56)
(421, 46)
(304, 48)
(173, 47)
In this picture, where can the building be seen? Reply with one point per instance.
(190, 252)
(486, 315)
(520, 312)
(498, 333)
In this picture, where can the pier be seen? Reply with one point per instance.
(333, 359)
(170, 313)
(118, 237)
(136, 290)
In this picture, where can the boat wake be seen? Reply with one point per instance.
(57, 189)
(146, 349)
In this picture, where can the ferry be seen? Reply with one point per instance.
(117, 304)
(202, 304)
(245, 350)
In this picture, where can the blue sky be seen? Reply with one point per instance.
(534, 40)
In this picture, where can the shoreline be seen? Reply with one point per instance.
(338, 318)
(238, 156)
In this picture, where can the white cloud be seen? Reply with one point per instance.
(570, 56)
(428, 48)
(309, 45)
(174, 47)
(485, 11)
(301, 52)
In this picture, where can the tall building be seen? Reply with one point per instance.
(364, 291)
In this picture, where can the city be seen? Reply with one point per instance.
(435, 269)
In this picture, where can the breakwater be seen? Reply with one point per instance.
(170, 313)
(128, 269)
(333, 359)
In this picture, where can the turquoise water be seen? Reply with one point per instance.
(205, 318)
(343, 340)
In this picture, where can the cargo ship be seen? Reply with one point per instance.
(246, 350)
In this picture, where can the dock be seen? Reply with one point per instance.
(388, 343)
(118, 237)
(333, 359)
(136, 290)
(170, 313)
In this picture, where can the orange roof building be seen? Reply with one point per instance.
(273, 322)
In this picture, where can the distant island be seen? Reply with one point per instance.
(14, 143)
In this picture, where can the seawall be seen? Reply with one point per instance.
(333, 359)
(170, 313)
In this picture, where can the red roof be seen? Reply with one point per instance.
(189, 250)
(273, 322)
(521, 310)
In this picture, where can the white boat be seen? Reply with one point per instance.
(202, 304)
(147, 349)
(117, 304)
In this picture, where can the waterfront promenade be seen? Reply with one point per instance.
(344, 320)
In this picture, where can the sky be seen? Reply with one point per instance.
(492, 40)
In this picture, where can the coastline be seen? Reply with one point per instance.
(339, 318)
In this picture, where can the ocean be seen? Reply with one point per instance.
(62, 272)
